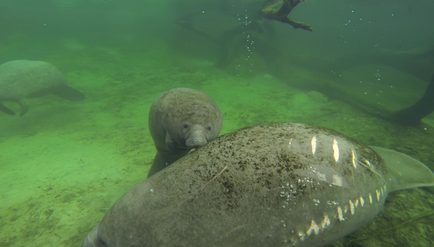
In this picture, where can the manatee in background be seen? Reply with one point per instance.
(22, 79)
(181, 119)
(279, 184)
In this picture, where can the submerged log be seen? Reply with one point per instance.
(420, 109)
(278, 64)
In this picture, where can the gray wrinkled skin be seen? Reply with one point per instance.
(22, 79)
(280, 184)
(181, 119)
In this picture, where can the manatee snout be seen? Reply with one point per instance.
(197, 139)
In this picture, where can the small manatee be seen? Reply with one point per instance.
(181, 119)
(22, 79)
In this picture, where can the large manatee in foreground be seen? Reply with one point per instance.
(22, 79)
(279, 184)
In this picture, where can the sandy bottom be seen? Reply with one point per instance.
(63, 165)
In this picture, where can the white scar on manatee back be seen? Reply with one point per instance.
(277, 184)
(398, 168)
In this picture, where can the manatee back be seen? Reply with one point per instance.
(25, 79)
(269, 185)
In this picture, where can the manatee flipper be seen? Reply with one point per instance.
(69, 93)
(92, 239)
(24, 106)
(404, 172)
(170, 143)
(165, 157)
(6, 110)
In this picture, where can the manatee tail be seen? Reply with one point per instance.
(69, 93)
(419, 110)
(404, 172)
(6, 110)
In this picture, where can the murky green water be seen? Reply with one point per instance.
(64, 164)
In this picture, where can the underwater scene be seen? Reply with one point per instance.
(216, 123)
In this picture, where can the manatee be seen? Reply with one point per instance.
(181, 119)
(277, 184)
(22, 79)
